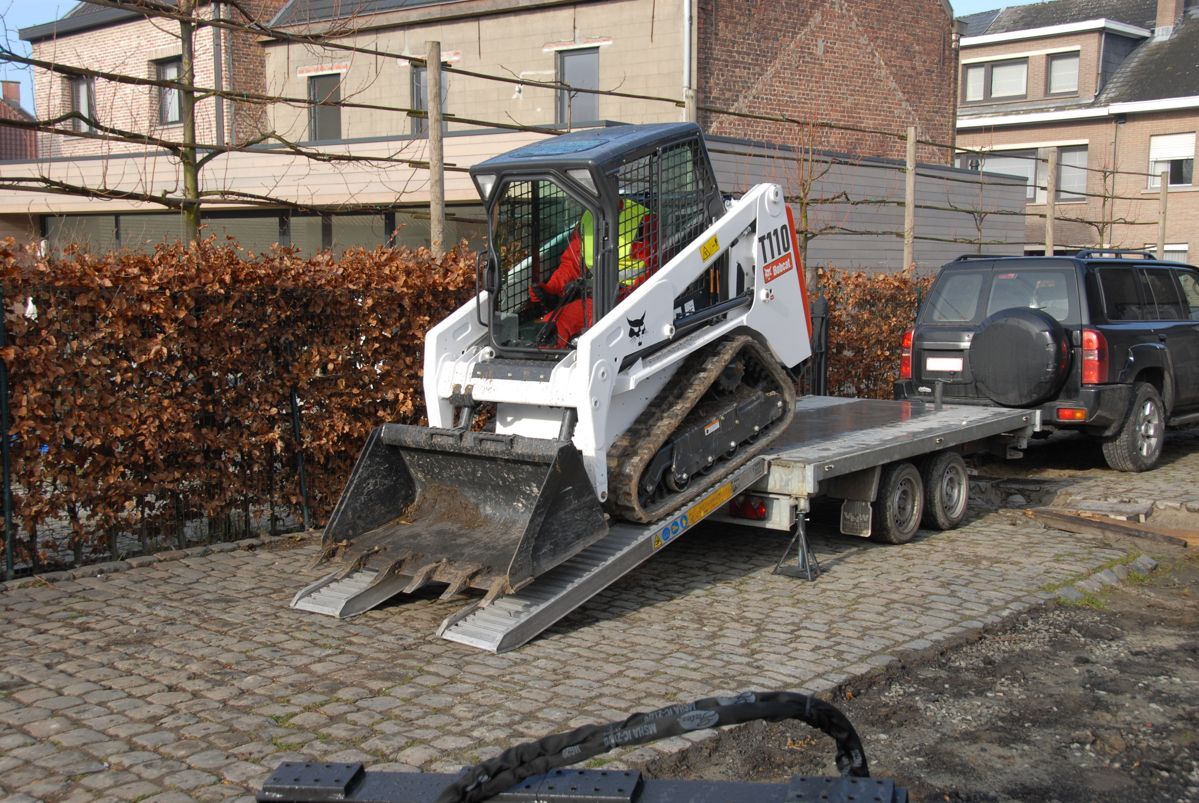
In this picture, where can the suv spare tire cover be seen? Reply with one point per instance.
(1019, 357)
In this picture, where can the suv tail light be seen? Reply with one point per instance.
(905, 355)
(1094, 357)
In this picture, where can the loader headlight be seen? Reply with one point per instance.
(584, 177)
(485, 183)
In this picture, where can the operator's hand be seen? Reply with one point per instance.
(540, 294)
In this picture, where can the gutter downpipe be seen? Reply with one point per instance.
(218, 74)
(688, 75)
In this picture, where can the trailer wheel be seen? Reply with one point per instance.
(946, 490)
(899, 505)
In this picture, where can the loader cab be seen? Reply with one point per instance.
(578, 222)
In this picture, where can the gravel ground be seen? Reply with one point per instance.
(1094, 701)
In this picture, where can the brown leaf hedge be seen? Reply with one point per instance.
(151, 389)
(147, 390)
(868, 314)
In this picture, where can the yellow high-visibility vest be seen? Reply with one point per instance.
(631, 214)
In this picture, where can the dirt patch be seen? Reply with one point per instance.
(1093, 702)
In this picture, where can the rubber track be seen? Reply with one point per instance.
(632, 452)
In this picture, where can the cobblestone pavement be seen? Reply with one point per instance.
(191, 679)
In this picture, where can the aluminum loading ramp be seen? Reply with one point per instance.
(357, 592)
(514, 619)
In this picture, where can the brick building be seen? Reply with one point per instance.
(1113, 86)
(128, 43)
(869, 64)
(14, 142)
(830, 61)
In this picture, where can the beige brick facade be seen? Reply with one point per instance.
(1037, 52)
(640, 52)
(135, 48)
(1121, 209)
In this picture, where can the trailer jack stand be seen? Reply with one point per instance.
(806, 565)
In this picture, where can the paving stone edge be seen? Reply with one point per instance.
(113, 566)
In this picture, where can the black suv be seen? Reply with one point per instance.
(1103, 341)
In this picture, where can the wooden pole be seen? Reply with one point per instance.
(188, 160)
(1161, 214)
(1050, 201)
(909, 202)
(436, 154)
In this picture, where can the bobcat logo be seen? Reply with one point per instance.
(637, 329)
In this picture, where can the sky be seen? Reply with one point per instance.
(17, 14)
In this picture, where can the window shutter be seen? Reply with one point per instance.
(1172, 146)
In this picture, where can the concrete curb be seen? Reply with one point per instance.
(113, 566)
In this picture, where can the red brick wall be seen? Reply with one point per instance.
(245, 120)
(14, 142)
(873, 64)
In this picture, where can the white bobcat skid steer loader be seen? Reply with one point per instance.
(674, 379)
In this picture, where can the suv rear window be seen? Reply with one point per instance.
(955, 297)
(1051, 291)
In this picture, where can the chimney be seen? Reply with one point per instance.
(1169, 12)
(12, 91)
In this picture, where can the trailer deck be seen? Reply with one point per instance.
(831, 440)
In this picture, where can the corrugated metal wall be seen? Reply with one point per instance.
(856, 205)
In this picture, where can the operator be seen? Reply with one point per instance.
(568, 309)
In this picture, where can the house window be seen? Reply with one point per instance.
(998, 80)
(1071, 173)
(1062, 74)
(1173, 252)
(973, 82)
(1012, 163)
(1173, 154)
(420, 100)
(324, 115)
(170, 105)
(83, 102)
(578, 69)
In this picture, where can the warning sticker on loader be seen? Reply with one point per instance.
(709, 249)
(695, 515)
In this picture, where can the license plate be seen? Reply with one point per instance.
(949, 364)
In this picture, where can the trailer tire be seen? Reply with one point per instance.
(899, 505)
(946, 490)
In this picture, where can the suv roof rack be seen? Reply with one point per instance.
(1119, 253)
(968, 257)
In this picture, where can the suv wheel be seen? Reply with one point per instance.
(1138, 444)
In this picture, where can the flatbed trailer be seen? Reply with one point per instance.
(834, 447)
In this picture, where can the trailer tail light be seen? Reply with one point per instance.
(905, 355)
(1071, 414)
(747, 506)
(1094, 357)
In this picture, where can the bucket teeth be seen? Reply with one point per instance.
(423, 575)
(460, 581)
(499, 587)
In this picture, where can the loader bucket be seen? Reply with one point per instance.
(464, 508)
